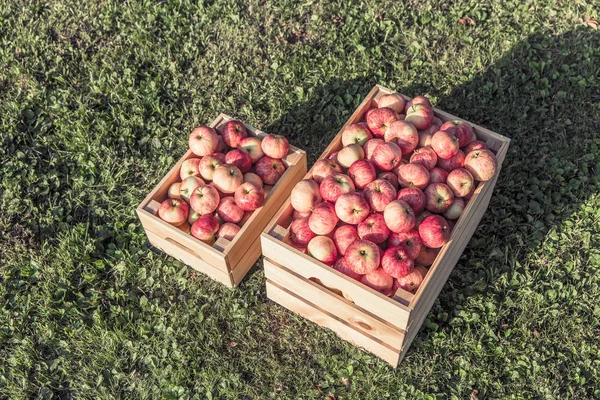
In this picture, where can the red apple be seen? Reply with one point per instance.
(218, 156)
(389, 176)
(396, 262)
(471, 193)
(482, 164)
(456, 161)
(444, 144)
(305, 196)
(411, 281)
(269, 170)
(455, 209)
(425, 136)
(404, 134)
(189, 168)
(413, 175)
(387, 156)
(249, 196)
(323, 219)
(437, 122)
(363, 256)
(379, 193)
(362, 173)
(460, 181)
(475, 145)
(228, 211)
(275, 146)
(434, 231)
(227, 178)
(205, 228)
(463, 131)
(378, 119)
(203, 140)
(438, 175)
(297, 214)
(395, 101)
(221, 146)
(399, 216)
(378, 280)
(373, 228)
(344, 236)
(417, 100)
(349, 154)
(228, 231)
(252, 145)
(438, 197)
(300, 233)
(207, 166)
(173, 211)
(369, 147)
(414, 197)
(188, 185)
(419, 115)
(352, 208)
(204, 199)
(240, 159)
(185, 227)
(356, 133)
(323, 249)
(334, 186)
(323, 168)
(233, 132)
(342, 266)
(420, 217)
(424, 156)
(409, 240)
(253, 178)
(426, 256)
(174, 190)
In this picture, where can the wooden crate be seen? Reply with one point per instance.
(225, 261)
(382, 325)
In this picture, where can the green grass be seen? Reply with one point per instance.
(96, 102)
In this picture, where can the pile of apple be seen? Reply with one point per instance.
(380, 209)
(221, 187)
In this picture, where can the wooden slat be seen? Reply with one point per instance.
(252, 254)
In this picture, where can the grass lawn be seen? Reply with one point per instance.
(97, 99)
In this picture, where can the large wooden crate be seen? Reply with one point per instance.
(382, 325)
(225, 261)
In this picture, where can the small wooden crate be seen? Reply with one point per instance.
(225, 261)
(382, 325)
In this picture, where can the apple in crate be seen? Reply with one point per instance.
(409, 240)
(185, 227)
(373, 228)
(253, 178)
(342, 266)
(370, 147)
(205, 228)
(190, 167)
(173, 211)
(323, 168)
(188, 185)
(249, 196)
(269, 169)
(203, 140)
(229, 211)
(174, 191)
(323, 249)
(413, 175)
(456, 161)
(362, 173)
(420, 115)
(192, 216)
(228, 231)
(275, 146)
(417, 100)
(438, 175)
(252, 146)
(444, 144)
(389, 176)
(205, 199)
(410, 282)
(462, 130)
(399, 216)
(482, 164)
(352, 208)
(233, 132)
(438, 197)
(426, 256)
(404, 134)
(363, 256)
(300, 233)
(425, 135)
(208, 166)
(356, 133)
(387, 156)
(434, 231)
(455, 209)
(424, 156)
(349, 154)
(414, 197)
(334, 186)
(323, 219)
(240, 159)
(396, 262)
(394, 101)
(378, 120)
(475, 145)
(227, 178)
(305, 196)
(379, 194)
(460, 181)
(378, 280)
(344, 236)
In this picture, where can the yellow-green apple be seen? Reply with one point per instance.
(323, 249)
(173, 211)
(413, 175)
(438, 197)
(300, 233)
(228, 211)
(482, 164)
(389, 176)
(417, 100)
(205, 228)
(456, 161)
(341, 265)
(395, 101)
(424, 156)
(203, 140)
(414, 197)
(332, 187)
(249, 196)
(455, 209)
(221, 146)
(208, 165)
(378, 280)
(378, 119)
(460, 181)
(362, 173)
(475, 145)
(185, 227)
(275, 146)
(444, 144)
(420, 115)
(344, 236)
(174, 189)
(352, 208)
(379, 194)
(370, 147)
(323, 219)
(409, 282)
(188, 185)
(426, 256)
(269, 169)
(252, 146)
(434, 231)
(190, 167)
(399, 216)
(373, 228)
(409, 240)
(438, 175)
(349, 154)
(240, 159)
(323, 168)
(387, 156)
(396, 262)
(425, 135)
(253, 178)
(204, 199)
(404, 134)
(356, 133)
(227, 178)
(233, 132)
(192, 216)
(462, 130)
(305, 196)
(297, 214)
(228, 231)
(363, 256)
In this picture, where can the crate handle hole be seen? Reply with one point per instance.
(331, 288)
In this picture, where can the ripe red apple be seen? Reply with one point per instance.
(253, 146)
(437, 122)
(475, 145)
(460, 181)
(189, 167)
(438, 197)
(389, 176)
(373, 228)
(349, 154)
(275, 146)
(417, 100)
(378, 280)
(363, 256)
(233, 132)
(188, 185)
(379, 193)
(482, 164)
(410, 282)
(362, 173)
(424, 156)
(419, 115)
(426, 256)
(203, 140)
(173, 211)
(253, 178)
(174, 190)
(395, 101)
(444, 144)
(305, 196)
(323, 168)
(323, 249)
(409, 240)
(369, 147)
(228, 211)
(420, 217)
(297, 214)
(342, 266)
(404, 134)
(245, 218)
(378, 119)
(334, 186)
(396, 262)
(456, 161)
(269, 170)
(438, 175)
(399, 216)
(228, 231)
(356, 133)
(455, 209)
(204, 199)
(434, 231)
(387, 156)
(221, 146)
(352, 208)
(218, 156)
(300, 233)
(344, 236)
(413, 175)
(463, 131)
(249, 196)
(323, 219)
(185, 227)
(227, 178)
(207, 166)
(205, 228)
(240, 159)
(414, 197)
(425, 136)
